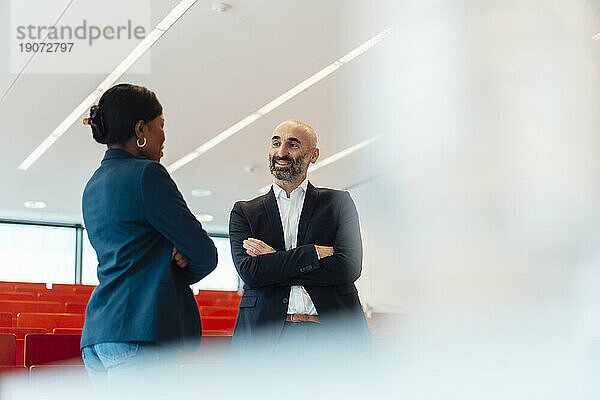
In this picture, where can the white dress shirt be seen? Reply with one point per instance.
(289, 211)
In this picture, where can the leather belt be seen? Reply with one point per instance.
(302, 318)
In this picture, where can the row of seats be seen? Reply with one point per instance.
(16, 353)
(63, 350)
(39, 348)
(76, 289)
(40, 287)
(72, 299)
(78, 305)
(29, 312)
(211, 348)
(20, 335)
(50, 321)
(10, 291)
(215, 319)
(60, 311)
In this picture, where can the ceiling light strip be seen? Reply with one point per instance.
(213, 142)
(278, 101)
(341, 154)
(168, 21)
(333, 158)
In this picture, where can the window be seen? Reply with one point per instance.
(224, 277)
(36, 253)
(89, 263)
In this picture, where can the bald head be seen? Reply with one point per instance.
(293, 148)
(299, 126)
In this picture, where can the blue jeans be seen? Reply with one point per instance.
(117, 363)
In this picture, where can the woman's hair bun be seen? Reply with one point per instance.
(96, 122)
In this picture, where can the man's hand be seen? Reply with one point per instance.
(324, 251)
(256, 247)
(178, 258)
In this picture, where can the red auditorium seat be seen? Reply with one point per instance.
(218, 323)
(7, 287)
(6, 319)
(20, 333)
(17, 296)
(220, 293)
(30, 287)
(57, 288)
(50, 320)
(75, 308)
(214, 311)
(44, 349)
(30, 306)
(20, 351)
(76, 289)
(80, 299)
(67, 331)
(218, 301)
(8, 349)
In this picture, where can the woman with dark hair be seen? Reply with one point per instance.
(150, 247)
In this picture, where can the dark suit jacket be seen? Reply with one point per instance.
(134, 215)
(328, 218)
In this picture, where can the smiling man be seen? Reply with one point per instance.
(298, 250)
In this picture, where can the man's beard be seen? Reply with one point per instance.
(295, 170)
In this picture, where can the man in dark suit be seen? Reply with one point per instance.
(298, 250)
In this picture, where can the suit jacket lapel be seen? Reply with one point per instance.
(310, 200)
(272, 211)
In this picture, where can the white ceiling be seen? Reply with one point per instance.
(209, 71)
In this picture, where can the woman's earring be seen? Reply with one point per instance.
(141, 144)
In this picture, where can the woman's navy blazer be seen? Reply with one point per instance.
(134, 215)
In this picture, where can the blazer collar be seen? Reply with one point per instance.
(272, 211)
(310, 200)
(119, 154)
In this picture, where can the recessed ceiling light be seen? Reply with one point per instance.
(204, 217)
(35, 204)
(220, 7)
(201, 192)
(596, 36)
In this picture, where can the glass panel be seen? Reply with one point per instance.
(89, 272)
(34, 253)
(225, 276)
